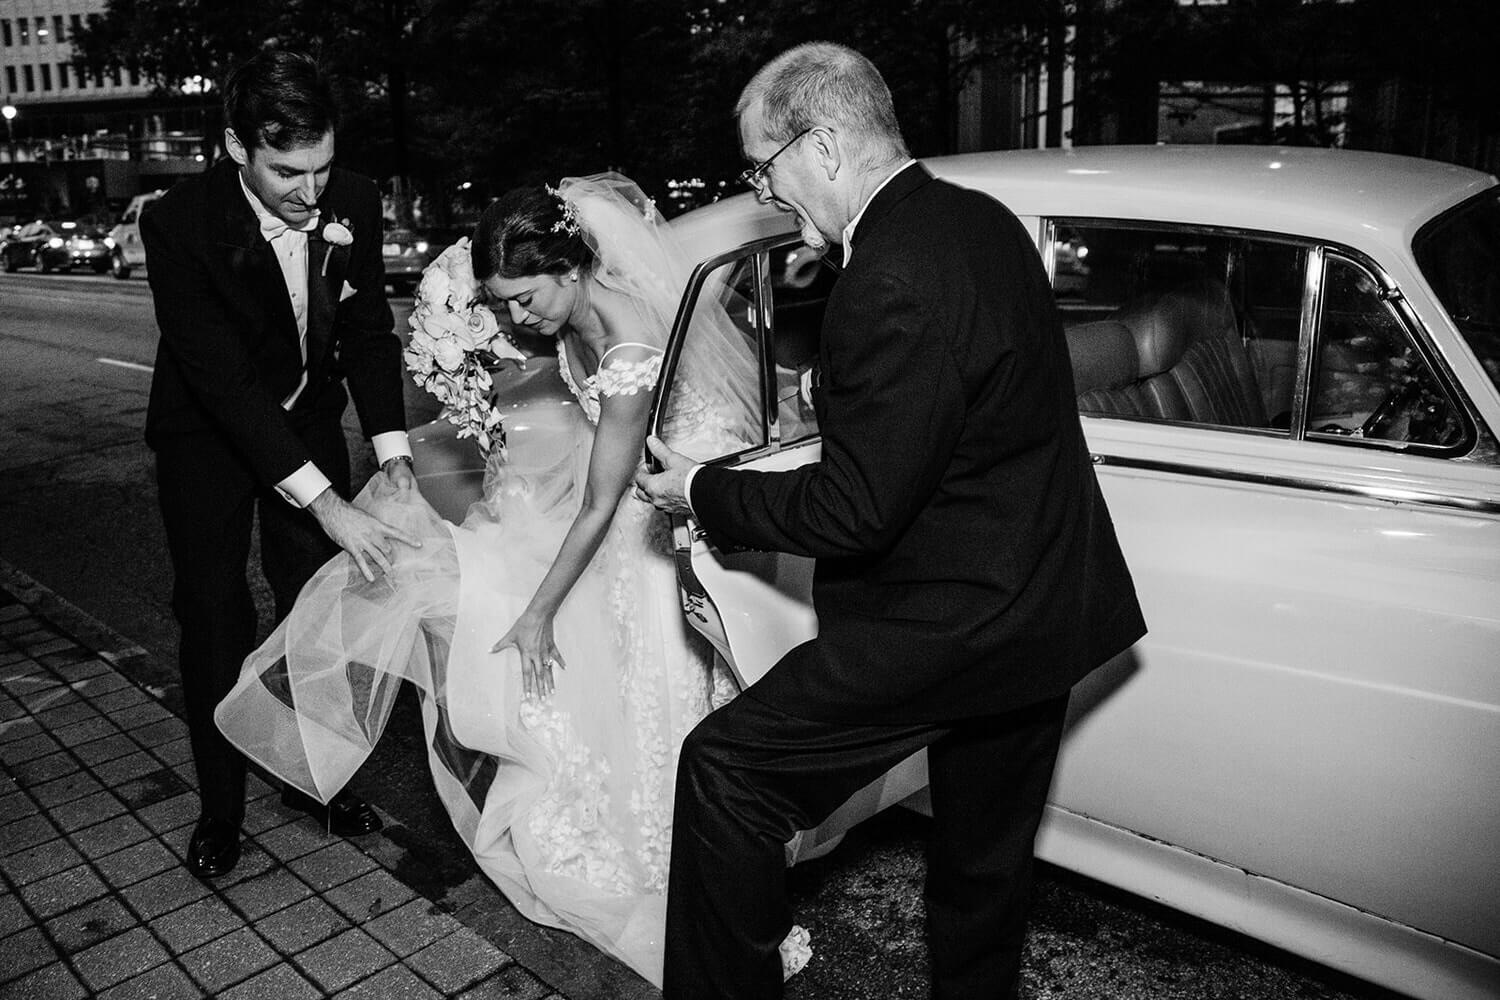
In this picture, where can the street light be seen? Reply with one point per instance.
(9, 113)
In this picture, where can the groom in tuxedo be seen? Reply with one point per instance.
(967, 570)
(269, 292)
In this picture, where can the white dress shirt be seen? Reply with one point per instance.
(290, 245)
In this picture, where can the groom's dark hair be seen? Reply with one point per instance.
(526, 233)
(279, 99)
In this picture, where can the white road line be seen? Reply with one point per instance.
(125, 364)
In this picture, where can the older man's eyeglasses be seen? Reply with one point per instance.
(755, 177)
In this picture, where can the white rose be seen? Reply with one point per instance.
(448, 355)
(443, 324)
(481, 327)
(423, 341)
(418, 361)
(460, 270)
(435, 284)
(338, 234)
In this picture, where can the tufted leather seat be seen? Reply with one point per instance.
(1172, 356)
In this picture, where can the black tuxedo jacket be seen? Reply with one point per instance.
(966, 563)
(229, 350)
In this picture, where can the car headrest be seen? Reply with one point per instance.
(1104, 355)
(1165, 325)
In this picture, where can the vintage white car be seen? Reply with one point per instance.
(1288, 368)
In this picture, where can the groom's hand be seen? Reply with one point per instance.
(666, 490)
(370, 542)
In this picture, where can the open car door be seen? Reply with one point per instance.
(755, 606)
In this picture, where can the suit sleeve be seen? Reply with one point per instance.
(369, 350)
(199, 334)
(893, 409)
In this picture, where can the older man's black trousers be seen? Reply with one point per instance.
(750, 776)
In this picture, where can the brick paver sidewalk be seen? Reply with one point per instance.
(96, 808)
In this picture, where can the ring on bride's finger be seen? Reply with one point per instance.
(550, 663)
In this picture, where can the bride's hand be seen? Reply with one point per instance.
(531, 637)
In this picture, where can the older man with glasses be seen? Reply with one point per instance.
(967, 570)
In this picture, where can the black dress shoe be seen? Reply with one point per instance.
(214, 849)
(345, 815)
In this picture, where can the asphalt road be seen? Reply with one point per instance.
(78, 514)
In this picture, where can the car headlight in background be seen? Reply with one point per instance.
(55, 242)
(109, 241)
(421, 246)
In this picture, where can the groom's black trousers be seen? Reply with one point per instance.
(750, 776)
(208, 502)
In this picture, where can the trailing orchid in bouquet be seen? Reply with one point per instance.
(455, 342)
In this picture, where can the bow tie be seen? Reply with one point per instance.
(271, 227)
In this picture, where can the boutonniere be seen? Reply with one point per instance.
(336, 234)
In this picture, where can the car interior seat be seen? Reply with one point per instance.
(1189, 364)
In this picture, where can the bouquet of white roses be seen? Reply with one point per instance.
(455, 341)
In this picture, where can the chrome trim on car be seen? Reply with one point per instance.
(1472, 505)
(679, 331)
(1312, 301)
(765, 334)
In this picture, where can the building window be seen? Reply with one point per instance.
(83, 77)
(59, 35)
(41, 30)
(114, 76)
(76, 23)
(30, 75)
(62, 76)
(10, 79)
(23, 28)
(5, 30)
(46, 76)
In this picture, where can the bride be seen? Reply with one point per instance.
(557, 674)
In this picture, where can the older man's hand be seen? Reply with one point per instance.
(667, 489)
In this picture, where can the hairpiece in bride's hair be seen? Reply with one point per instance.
(569, 221)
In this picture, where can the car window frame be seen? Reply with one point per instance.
(1467, 448)
(1476, 443)
(759, 253)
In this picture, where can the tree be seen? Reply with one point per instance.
(366, 45)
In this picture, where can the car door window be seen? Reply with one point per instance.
(1177, 325)
(774, 298)
(1370, 381)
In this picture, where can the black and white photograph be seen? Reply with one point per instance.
(640, 500)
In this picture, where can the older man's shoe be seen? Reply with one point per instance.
(345, 815)
(214, 849)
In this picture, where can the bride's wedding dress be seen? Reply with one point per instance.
(565, 802)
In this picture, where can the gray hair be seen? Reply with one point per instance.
(824, 83)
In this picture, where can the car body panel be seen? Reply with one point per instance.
(21, 246)
(1304, 745)
(127, 233)
(76, 244)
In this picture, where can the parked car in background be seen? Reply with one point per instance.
(79, 243)
(1287, 365)
(20, 247)
(129, 251)
(407, 251)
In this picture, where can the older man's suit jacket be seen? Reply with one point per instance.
(229, 352)
(966, 563)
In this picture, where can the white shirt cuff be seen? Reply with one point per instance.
(391, 444)
(687, 487)
(303, 486)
